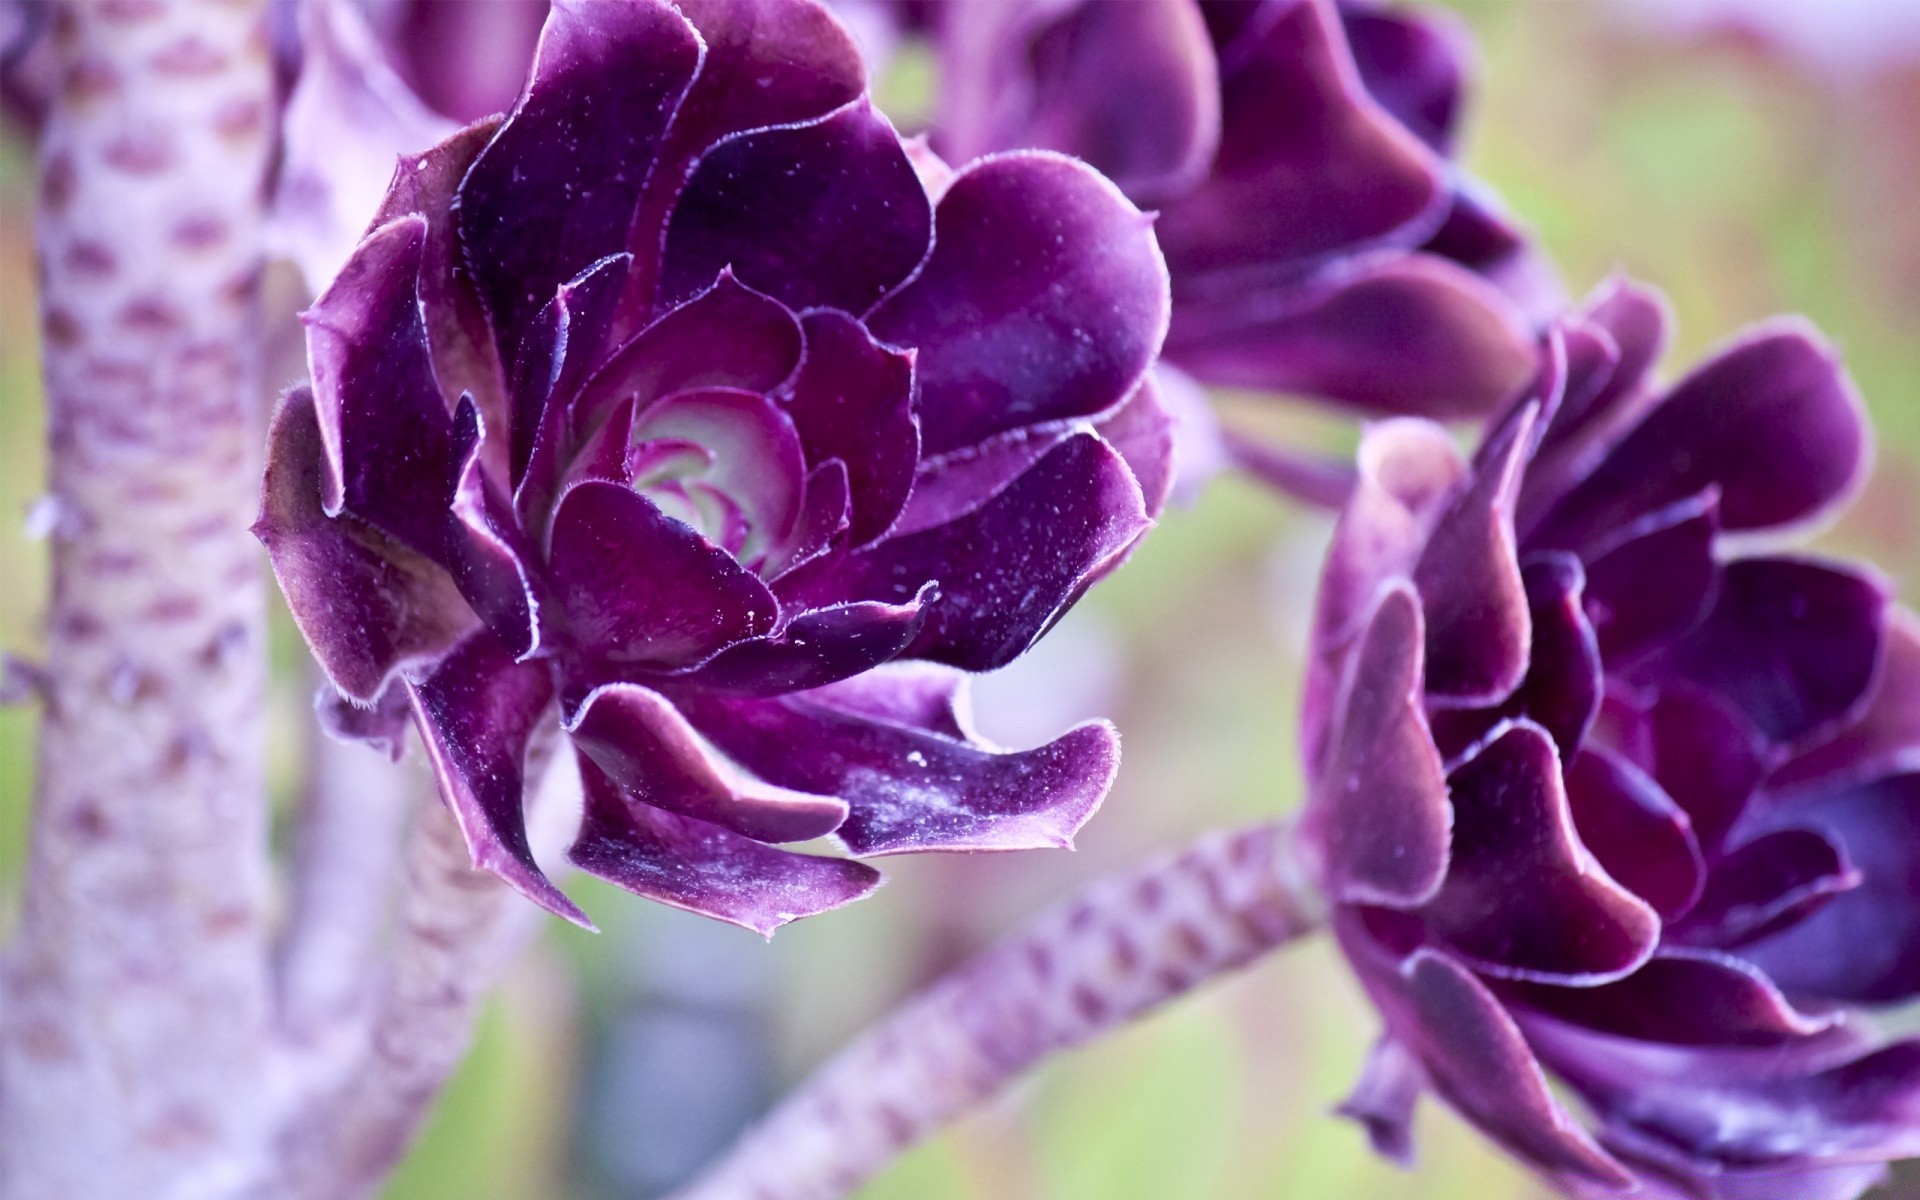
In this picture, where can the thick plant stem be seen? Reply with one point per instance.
(1120, 949)
(137, 995)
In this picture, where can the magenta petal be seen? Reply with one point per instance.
(1143, 431)
(703, 868)
(646, 747)
(824, 214)
(1864, 945)
(476, 713)
(1045, 297)
(381, 727)
(728, 336)
(853, 400)
(1378, 819)
(912, 789)
(641, 589)
(566, 342)
(1008, 570)
(1478, 629)
(1681, 996)
(1308, 164)
(383, 421)
(1793, 644)
(922, 695)
(1642, 838)
(1706, 757)
(1396, 333)
(816, 648)
(1475, 1056)
(1886, 738)
(1523, 897)
(1772, 421)
(557, 188)
(767, 62)
(757, 461)
(491, 558)
(1563, 685)
(1761, 886)
(367, 605)
(947, 487)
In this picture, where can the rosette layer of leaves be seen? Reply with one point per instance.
(677, 407)
(1320, 239)
(1605, 795)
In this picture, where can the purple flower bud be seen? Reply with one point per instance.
(1604, 792)
(677, 401)
(1320, 240)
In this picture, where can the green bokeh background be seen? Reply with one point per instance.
(1741, 181)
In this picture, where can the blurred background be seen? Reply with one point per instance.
(1748, 156)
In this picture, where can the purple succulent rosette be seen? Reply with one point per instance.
(1603, 793)
(675, 403)
(1320, 239)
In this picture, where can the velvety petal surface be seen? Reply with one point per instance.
(853, 400)
(1681, 996)
(1045, 298)
(1642, 838)
(703, 868)
(476, 712)
(1413, 63)
(912, 788)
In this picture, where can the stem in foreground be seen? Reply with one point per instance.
(137, 994)
(1120, 949)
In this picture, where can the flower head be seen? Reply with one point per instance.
(681, 400)
(1319, 238)
(1603, 792)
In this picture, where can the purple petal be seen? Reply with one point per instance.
(766, 62)
(367, 605)
(1007, 570)
(382, 727)
(1378, 818)
(641, 589)
(1130, 88)
(1383, 1099)
(476, 713)
(919, 694)
(826, 214)
(467, 59)
(1772, 421)
(912, 789)
(817, 647)
(948, 486)
(1706, 757)
(1410, 334)
(1308, 164)
(1642, 838)
(1475, 1056)
(1674, 546)
(1478, 629)
(1886, 738)
(566, 342)
(1141, 430)
(1522, 896)
(1764, 885)
(1793, 644)
(492, 560)
(853, 400)
(703, 868)
(557, 188)
(647, 748)
(1045, 298)
(1681, 996)
(383, 421)
(464, 357)
(1864, 945)
(728, 336)
(1414, 65)
(1562, 688)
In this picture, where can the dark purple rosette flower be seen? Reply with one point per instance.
(678, 405)
(1320, 239)
(1605, 791)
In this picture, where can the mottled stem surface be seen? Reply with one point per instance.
(137, 995)
(1120, 949)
